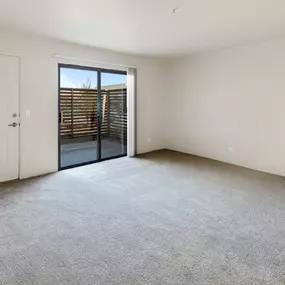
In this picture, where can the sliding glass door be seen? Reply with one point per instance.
(92, 115)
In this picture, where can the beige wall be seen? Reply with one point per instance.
(39, 94)
(230, 98)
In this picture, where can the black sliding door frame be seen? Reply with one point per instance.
(99, 113)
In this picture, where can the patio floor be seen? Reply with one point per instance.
(76, 153)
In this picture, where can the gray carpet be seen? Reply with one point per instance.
(163, 218)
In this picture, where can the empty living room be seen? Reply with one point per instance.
(142, 142)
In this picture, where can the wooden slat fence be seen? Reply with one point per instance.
(79, 113)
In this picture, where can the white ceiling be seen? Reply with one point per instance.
(149, 27)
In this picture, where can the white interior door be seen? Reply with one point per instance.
(9, 118)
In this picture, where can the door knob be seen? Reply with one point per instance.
(13, 125)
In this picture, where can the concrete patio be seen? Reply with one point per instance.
(81, 152)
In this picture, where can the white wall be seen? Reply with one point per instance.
(233, 97)
(211, 101)
(39, 94)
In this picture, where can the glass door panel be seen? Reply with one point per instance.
(113, 114)
(78, 116)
